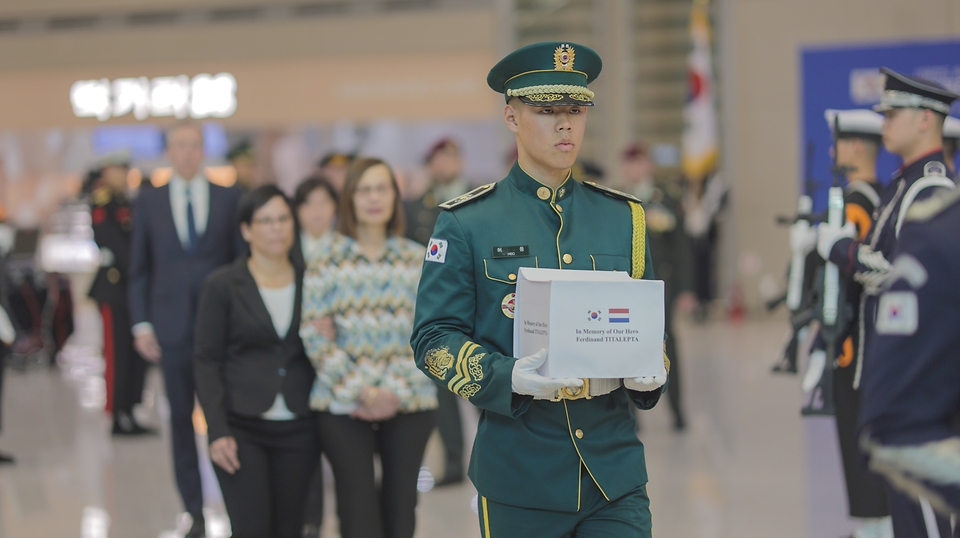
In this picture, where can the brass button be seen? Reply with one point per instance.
(543, 193)
(579, 433)
(512, 276)
(559, 209)
(113, 275)
(567, 258)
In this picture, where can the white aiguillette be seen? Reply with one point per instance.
(593, 324)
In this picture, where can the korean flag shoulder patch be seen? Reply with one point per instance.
(898, 313)
(436, 250)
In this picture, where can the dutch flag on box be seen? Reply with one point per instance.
(619, 315)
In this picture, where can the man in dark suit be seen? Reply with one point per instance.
(181, 233)
(112, 221)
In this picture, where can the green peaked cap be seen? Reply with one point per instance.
(554, 73)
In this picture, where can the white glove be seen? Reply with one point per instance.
(526, 379)
(646, 384)
(828, 235)
(106, 257)
(803, 237)
(818, 359)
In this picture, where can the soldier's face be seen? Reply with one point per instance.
(115, 177)
(185, 150)
(445, 166)
(845, 152)
(904, 127)
(551, 136)
(246, 169)
(637, 169)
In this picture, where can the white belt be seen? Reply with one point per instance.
(591, 388)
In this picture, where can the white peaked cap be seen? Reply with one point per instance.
(951, 127)
(856, 121)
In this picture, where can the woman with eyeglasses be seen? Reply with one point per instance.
(370, 396)
(253, 377)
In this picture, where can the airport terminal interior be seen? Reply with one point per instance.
(718, 116)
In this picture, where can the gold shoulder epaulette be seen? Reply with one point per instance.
(613, 193)
(931, 207)
(464, 199)
(101, 196)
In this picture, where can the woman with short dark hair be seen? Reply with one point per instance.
(315, 203)
(253, 377)
(370, 396)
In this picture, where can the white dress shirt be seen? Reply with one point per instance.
(280, 305)
(199, 197)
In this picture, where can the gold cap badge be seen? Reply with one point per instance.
(563, 58)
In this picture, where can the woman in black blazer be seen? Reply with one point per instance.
(253, 378)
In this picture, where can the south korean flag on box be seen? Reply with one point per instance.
(436, 250)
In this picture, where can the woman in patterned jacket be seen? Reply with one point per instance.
(369, 393)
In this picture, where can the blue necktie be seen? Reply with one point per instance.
(191, 223)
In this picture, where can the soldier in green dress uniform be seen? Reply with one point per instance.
(670, 250)
(553, 457)
(444, 165)
(244, 161)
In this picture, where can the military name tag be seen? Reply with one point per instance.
(521, 251)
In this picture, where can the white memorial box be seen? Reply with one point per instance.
(593, 324)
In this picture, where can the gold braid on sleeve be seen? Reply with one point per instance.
(638, 259)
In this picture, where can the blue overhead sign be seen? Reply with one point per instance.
(845, 77)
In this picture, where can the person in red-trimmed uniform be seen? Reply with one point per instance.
(112, 220)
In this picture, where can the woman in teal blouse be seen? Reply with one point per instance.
(369, 393)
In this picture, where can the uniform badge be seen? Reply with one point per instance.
(439, 361)
(508, 304)
(898, 313)
(563, 58)
(436, 250)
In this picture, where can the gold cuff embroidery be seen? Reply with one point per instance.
(470, 390)
(462, 376)
(473, 363)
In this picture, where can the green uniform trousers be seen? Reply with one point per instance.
(626, 517)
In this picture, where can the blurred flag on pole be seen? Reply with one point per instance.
(700, 149)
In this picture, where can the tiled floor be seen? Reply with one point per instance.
(740, 470)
